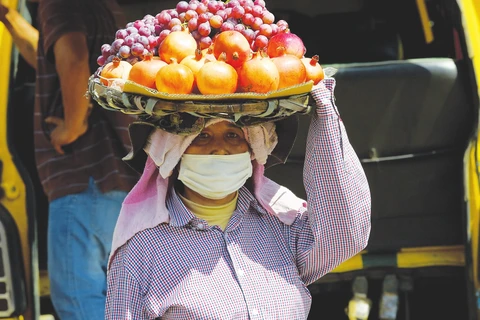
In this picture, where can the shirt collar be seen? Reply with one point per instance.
(180, 216)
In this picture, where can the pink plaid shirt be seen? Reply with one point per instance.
(258, 268)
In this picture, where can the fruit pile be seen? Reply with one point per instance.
(209, 47)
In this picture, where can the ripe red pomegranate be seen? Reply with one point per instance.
(234, 45)
(291, 42)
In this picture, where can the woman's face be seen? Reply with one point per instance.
(221, 138)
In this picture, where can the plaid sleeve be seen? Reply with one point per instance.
(337, 225)
(124, 298)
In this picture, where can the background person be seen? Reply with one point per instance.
(78, 150)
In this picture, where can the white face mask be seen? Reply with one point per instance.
(215, 176)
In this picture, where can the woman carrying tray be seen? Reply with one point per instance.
(205, 235)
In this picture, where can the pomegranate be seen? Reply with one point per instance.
(178, 45)
(258, 74)
(217, 77)
(234, 45)
(291, 69)
(145, 72)
(195, 62)
(174, 78)
(291, 42)
(117, 69)
(314, 69)
(208, 53)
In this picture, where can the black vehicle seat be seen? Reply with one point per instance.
(409, 122)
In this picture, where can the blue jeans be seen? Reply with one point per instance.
(80, 229)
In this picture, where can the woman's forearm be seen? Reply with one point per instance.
(24, 35)
(338, 194)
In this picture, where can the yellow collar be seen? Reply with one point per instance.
(214, 215)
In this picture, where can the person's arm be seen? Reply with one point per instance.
(72, 64)
(337, 225)
(124, 298)
(24, 35)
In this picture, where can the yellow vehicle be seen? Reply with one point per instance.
(408, 92)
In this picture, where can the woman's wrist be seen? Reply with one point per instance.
(323, 95)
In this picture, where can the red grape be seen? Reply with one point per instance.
(266, 30)
(238, 12)
(163, 34)
(192, 24)
(182, 6)
(192, 6)
(163, 17)
(190, 14)
(132, 30)
(222, 14)
(249, 34)
(124, 51)
(144, 31)
(121, 34)
(177, 27)
(173, 13)
(268, 17)
(205, 42)
(201, 8)
(101, 60)
(232, 21)
(239, 27)
(153, 41)
(260, 3)
(105, 49)
(181, 17)
(261, 41)
(227, 26)
(137, 49)
(282, 23)
(196, 35)
(159, 28)
(248, 19)
(117, 44)
(257, 11)
(138, 24)
(257, 22)
(203, 18)
(212, 6)
(216, 21)
(232, 3)
(204, 29)
(144, 41)
(174, 22)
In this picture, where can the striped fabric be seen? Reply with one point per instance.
(98, 153)
(258, 268)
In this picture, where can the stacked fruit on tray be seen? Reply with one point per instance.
(209, 47)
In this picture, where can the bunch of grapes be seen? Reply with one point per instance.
(132, 43)
(203, 18)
